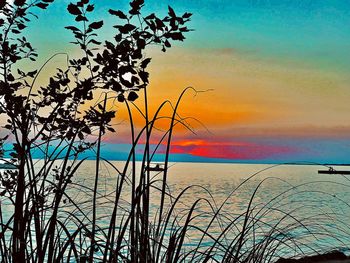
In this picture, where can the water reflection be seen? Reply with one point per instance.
(284, 202)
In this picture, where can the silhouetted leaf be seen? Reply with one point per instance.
(21, 26)
(118, 13)
(132, 96)
(145, 62)
(110, 129)
(96, 25)
(136, 6)
(80, 18)
(10, 77)
(167, 43)
(187, 15)
(93, 41)
(73, 9)
(171, 12)
(121, 98)
(32, 73)
(90, 8)
(95, 68)
(144, 76)
(73, 28)
(151, 16)
(176, 36)
(125, 29)
(42, 5)
(126, 83)
(19, 2)
(81, 135)
(118, 37)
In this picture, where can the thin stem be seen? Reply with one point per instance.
(97, 171)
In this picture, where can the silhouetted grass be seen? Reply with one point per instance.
(50, 213)
(62, 229)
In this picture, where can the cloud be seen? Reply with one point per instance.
(230, 150)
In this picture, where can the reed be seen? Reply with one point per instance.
(43, 219)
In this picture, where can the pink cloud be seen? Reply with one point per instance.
(229, 150)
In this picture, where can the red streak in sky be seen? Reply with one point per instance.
(228, 150)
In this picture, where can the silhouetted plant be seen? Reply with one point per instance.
(68, 118)
(40, 118)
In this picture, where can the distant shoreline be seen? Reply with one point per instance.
(234, 162)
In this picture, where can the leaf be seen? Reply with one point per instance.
(73, 9)
(20, 72)
(118, 13)
(116, 87)
(126, 28)
(118, 37)
(89, 53)
(177, 36)
(86, 129)
(136, 5)
(187, 15)
(150, 17)
(171, 12)
(80, 18)
(19, 2)
(144, 76)
(81, 135)
(110, 129)
(100, 107)
(132, 96)
(145, 62)
(96, 25)
(90, 8)
(184, 29)
(21, 26)
(95, 68)
(121, 98)
(93, 41)
(73, 28)
(167, 43)
(42, 5)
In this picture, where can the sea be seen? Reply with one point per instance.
(305, 211)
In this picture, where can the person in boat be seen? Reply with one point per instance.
(331, 169)
(157, 167)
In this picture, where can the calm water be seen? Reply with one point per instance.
(293, 200)
(285, 195)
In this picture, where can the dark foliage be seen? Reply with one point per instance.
(69, 116)
(40, 117)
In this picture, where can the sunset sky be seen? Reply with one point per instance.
(278, 72)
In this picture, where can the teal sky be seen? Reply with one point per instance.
(313, 30)
(280, 67)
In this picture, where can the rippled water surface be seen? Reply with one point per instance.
(286, 196)
(289, 201)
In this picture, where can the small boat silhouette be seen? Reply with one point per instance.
(157, 168)
(331, 170)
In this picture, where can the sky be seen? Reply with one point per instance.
(276, 75)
